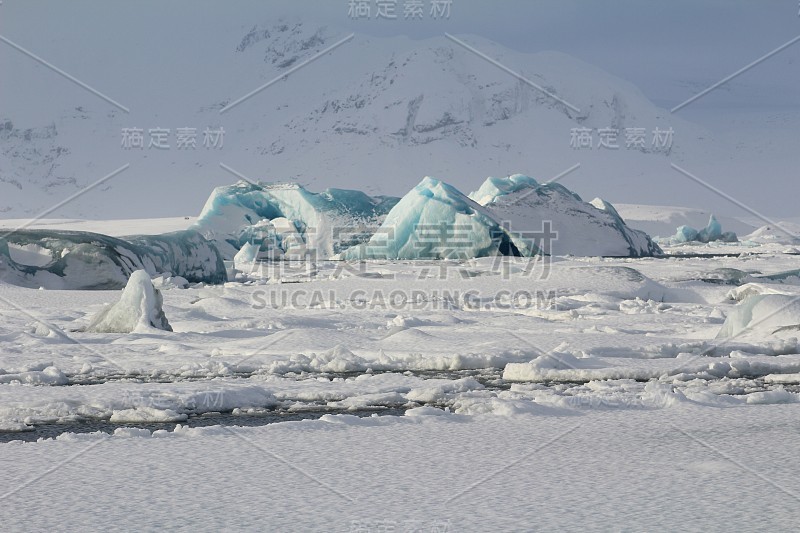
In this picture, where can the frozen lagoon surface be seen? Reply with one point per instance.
(594, 394)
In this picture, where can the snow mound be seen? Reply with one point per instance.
(551, 366)
(139, 310)
(146, 414)
(46, 376)
(763, 314)
(436, 221)
(747, 290)
(531, 211)
(783, 232)
(280, 217)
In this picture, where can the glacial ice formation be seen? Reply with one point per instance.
(762, 316)
(246, 222)
(289, 218)
(558, 221)
(507, 216)
(139, 309)
(83, 260)
(435, 221)
(712, 232)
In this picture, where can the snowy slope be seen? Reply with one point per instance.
(376, 114)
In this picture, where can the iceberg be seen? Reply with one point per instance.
(245, 222)
(711, 233)
(557, 221)
(139, 309)
(493, 188)
(508, 216)
(685, 234)
(285, 218)
(83, 260)
(246, 255)
(435, 221)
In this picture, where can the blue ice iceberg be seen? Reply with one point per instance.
(286, 217)
(435, 221)
(83, 260)
(510, 216)
(712, 232)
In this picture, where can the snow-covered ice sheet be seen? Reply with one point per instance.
(684, 467)
(520, 380)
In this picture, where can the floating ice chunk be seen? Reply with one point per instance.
(743, 292)
(133, 433)
(138, 310)
(46, 376)
(779, 395)
(787, 276)
(661, 395)
(783, 232)
(435, 221)
(440, 391)
(427, 411)
(246, 255)
(551, 366)
(763, 314)
(233, 215)
(685, 234)
(82, 260)
(711, 233)
(166, 281)
(551, 218)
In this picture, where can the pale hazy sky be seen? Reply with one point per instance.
(670, 49)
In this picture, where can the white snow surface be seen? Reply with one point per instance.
(521, 383)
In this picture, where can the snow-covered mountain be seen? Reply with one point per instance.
(375, 114)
